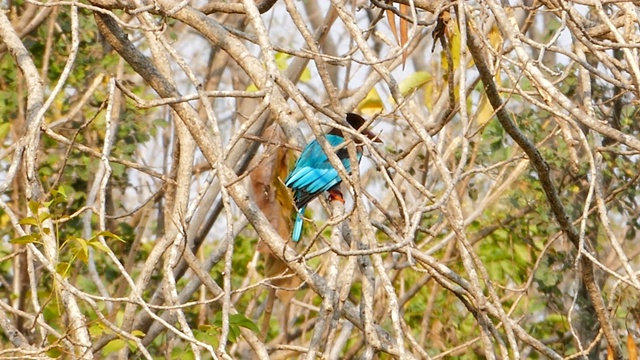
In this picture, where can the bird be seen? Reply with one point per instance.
(313, 174)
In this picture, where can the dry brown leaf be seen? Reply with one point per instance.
(275, 200)
(609, 353)
(391, 17)
(404, 31)
(632, 348)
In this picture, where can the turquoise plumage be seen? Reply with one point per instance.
(313, 174)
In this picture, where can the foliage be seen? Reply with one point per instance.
(144, 213)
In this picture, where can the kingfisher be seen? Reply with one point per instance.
(313, 174)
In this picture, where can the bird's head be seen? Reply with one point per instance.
(356, 121)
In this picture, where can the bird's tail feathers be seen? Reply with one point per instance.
(297, 225)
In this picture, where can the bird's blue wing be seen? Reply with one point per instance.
(313, 173)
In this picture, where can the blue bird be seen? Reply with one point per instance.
(313, 174)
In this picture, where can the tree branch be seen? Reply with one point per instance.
(543, 170)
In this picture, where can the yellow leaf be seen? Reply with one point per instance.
(429, 94)
(454, 45)
(494, 37)
(371, 104)
(281, 60)
(485, 112)
(5, 220)
(305, 76)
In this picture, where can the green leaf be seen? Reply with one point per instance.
(113, 346)
(160, 123)
(62, 268)
(59, 196)
(210, 337)
(522, 254)
(414, 81)
(182, 353)
(4, 130)
(28, 221)
(241, 320)
(54, 352)
(98, 329)
(26, 239)
(132, 345)
(62, 192)
(33, 206)
(83, 252)
(98, 246)
(108, 234)
(44, 216)
(118, 169)
(217, 319)
(234, 332)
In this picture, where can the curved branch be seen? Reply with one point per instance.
(543, 170)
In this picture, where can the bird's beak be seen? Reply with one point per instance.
(374, 137)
